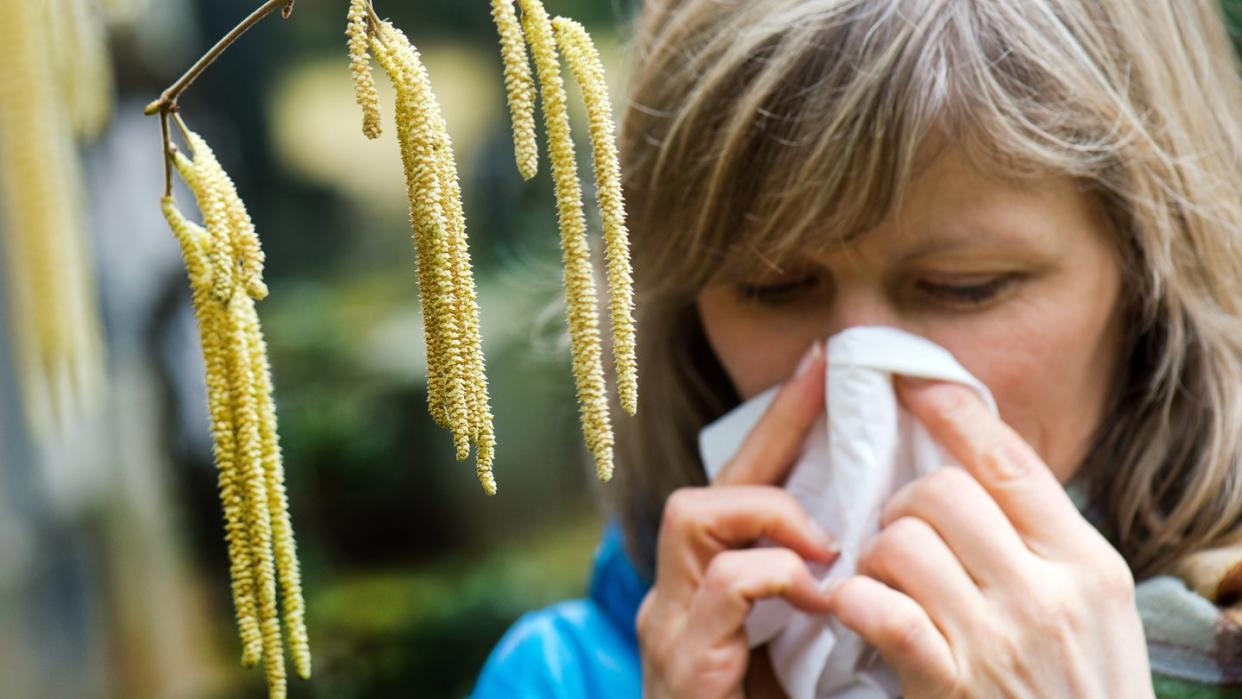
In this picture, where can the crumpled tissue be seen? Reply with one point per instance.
(857, 455)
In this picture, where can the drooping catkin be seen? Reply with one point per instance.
(467, 307)
(520, 87)
(588, 70)
(457, 391)
(258, 515)
(195, 243)
(82, 63)
(424, 145)
(406, 114)
(224, 262)
(360, 66)
(278, 503)
(55, 329)
(580, 299)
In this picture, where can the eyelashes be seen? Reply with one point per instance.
(974, 294)
(953, 295)
(777, 293)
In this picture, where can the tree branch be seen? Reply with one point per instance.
(168, 99)
(167, 102)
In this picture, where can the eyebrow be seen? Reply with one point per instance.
(966, 238)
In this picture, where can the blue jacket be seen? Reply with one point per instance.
(578, 648)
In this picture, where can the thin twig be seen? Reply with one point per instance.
(168, 146)
(185, 130)
(375, 19)
(168, 99)
(167, 102)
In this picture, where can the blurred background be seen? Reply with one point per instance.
(113, 569)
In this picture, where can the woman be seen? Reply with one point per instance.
(1047, 188)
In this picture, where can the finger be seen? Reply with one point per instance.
(776, 440)
(699, 523)
(909, 556)
(900, 630)
(735, 579)
(1005, 465)
(967, 519)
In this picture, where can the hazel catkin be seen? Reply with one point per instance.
(519, 87)
(580, 298)
(360, 67)
(224, 262)
(588, 70)
(457, 392)
(55, 327)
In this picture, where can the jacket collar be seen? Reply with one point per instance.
(616, 585)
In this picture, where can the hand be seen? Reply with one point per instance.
(986, 581)
(690, 630)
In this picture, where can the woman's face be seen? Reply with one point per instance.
(1020, 283)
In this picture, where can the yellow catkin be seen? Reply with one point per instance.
(195, 243)
(467, 311)
(455, 364)
(92, 101)
(258, 514)
(55, 328)
(584, 62)
(215, 217)
(406, 115)
(83, 67)
(360, 66)
(243, 239)
(520, 86)
(249, 254)
(294, 607)
(580, 298)
(225, 262)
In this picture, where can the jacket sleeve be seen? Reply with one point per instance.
(570, 649)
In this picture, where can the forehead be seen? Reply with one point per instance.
(951, 208)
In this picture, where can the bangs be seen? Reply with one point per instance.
(783, 136)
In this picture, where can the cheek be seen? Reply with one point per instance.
(1049, 365)
(757, 350)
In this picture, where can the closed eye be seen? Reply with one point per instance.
(777, 293)
(965, 295)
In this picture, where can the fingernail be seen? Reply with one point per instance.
(830, 585)
(812, 353)
(823, 537)
(915, 382)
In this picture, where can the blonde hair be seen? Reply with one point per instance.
(758, 131)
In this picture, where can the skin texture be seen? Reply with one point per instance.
(984, 580)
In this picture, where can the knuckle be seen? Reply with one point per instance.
(727, 572)
(784, 569)
(902, 532)
(954, 402)
(644, 620)
(722, 666)
(890, 543)
(905, 633)
(721, 571)
(1000, 460)
(943, 488)
(680, 509)
(871, 552)
(1114, 580)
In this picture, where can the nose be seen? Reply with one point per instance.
(859, 302)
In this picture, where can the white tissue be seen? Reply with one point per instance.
(853, 461)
